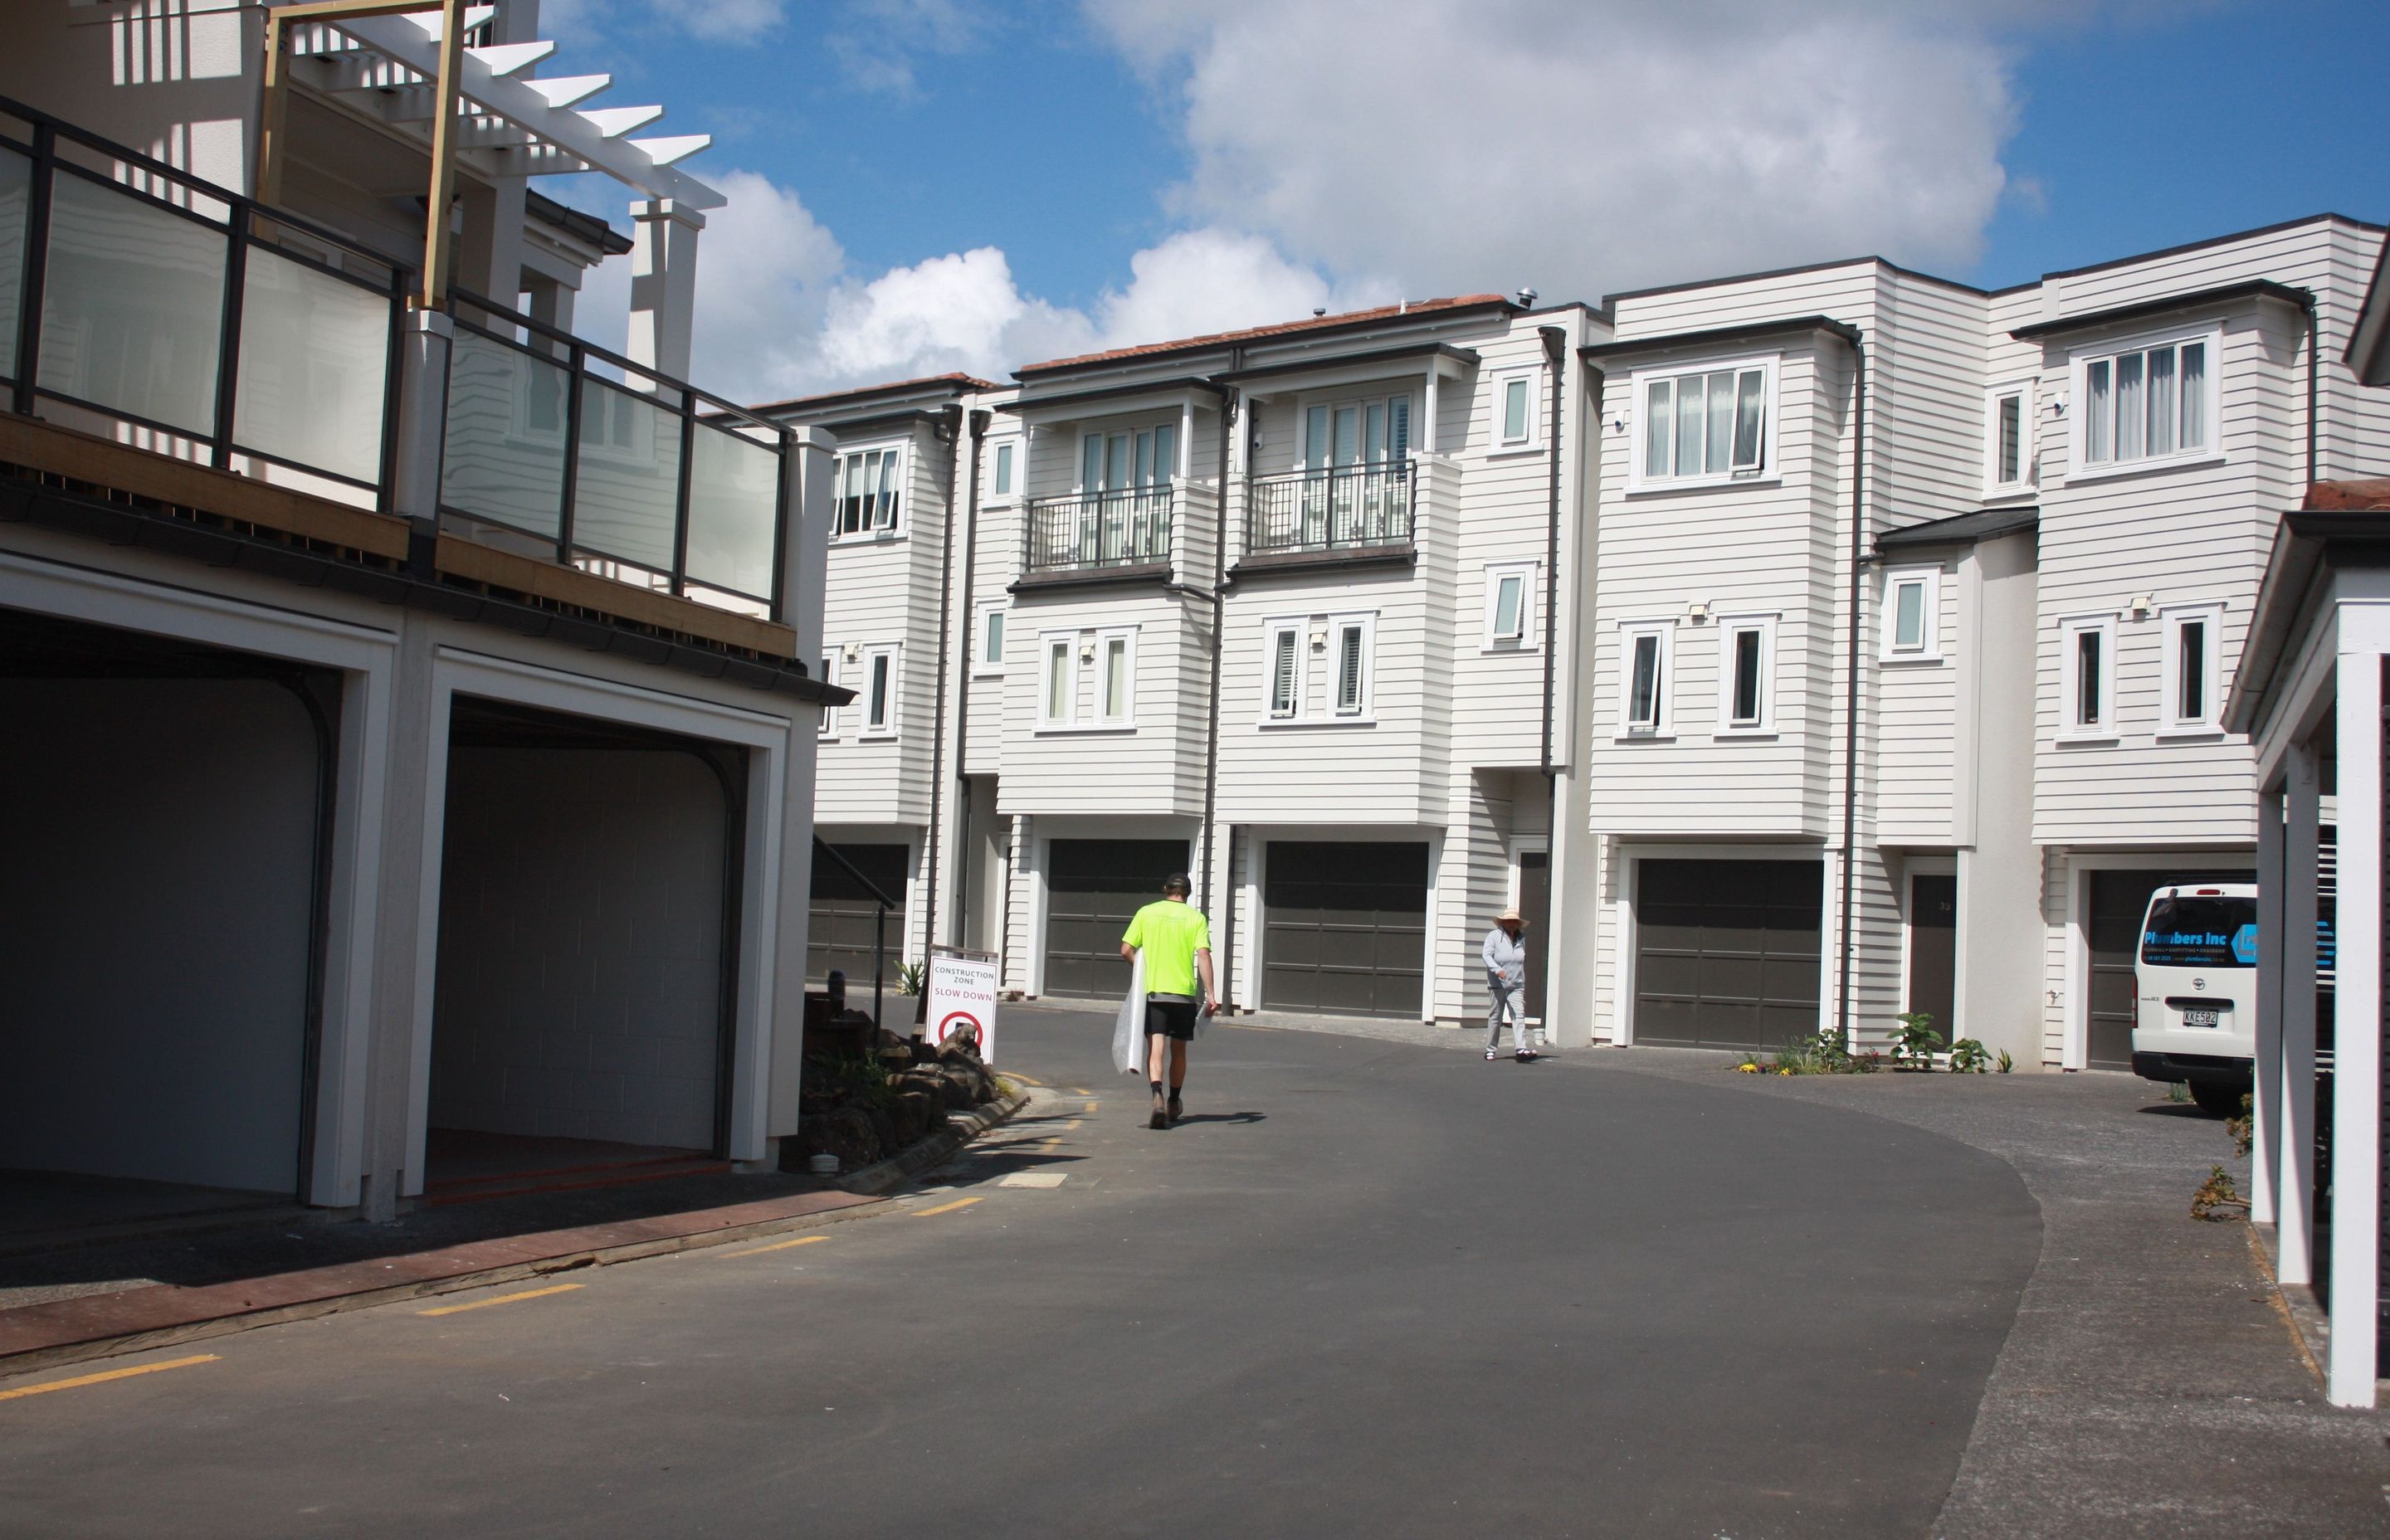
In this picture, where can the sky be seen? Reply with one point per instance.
(920, 186)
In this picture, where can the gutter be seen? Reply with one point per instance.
(1228, 419)
(2315, 346)
(950, 431)
(980, 418)
(1851, 698)
(1555, 347)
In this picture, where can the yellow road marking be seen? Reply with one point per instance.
(504, 1299)
(1025, 1080)
(1081, 1091)
(776, 1246)
(946, 1208)
(110, 1374)
(1092, 1106)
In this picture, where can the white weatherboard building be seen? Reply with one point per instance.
(1842, 558)
(411, 738)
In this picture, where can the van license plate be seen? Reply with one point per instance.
(2199, 1018)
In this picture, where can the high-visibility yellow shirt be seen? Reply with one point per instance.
(1170, 934)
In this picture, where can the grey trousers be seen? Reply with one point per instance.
(1512, 998)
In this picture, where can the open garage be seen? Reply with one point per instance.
(158, 934)
(584, 961)
(1728, 952)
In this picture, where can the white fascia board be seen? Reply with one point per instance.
(403, 40)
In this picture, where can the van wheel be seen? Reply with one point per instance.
(2218, 1099)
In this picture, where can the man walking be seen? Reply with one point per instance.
(1505, 980)
(1177, 941)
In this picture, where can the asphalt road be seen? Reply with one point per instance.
(1365, 1288)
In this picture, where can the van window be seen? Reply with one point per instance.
(2201, 932)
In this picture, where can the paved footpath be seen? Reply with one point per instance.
(1369, 1287)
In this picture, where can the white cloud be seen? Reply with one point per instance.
(1584, 146)
(722, 20)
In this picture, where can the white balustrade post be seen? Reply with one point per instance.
(2294, 1190)
(2265, 1148)
(2356, 1032)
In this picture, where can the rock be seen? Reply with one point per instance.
(919, 1112)
(960, 1087)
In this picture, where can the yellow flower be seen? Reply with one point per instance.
(1783, 1072)
(1747, 1068)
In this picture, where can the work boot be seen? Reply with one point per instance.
(1161, 1118)
(1175, 1110)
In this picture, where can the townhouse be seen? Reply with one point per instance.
(1917, 607)
(411, 716)
(1292, 610)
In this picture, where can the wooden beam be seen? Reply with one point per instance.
(438, 242)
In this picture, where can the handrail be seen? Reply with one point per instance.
(466, 298)
(1117, 527)
(1370, 505)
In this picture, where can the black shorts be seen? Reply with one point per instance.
(1171, 1018)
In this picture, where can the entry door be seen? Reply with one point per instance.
(1728, 952)
(1535, 903)
(1344, 926)
(1934, 948)
(1093, 887)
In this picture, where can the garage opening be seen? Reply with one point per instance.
(163, 831)
(2112, 931)
(1344, 926)
(1728, 952)
(845, 915)
(1093, 888)
(587, 911)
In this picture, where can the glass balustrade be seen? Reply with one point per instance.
(315, 367)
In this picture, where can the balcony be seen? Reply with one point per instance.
(179, 331)
(1332, 513)
(1123, 533)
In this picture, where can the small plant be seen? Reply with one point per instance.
(2177, 1093)
(2006, 1063)
(2218, 1198)
(1005, 1087)
(1969, 1057)
(912, 977)
(1913, 1047)
(855, 1082)
(1821, 1053)
(1750, 1066)
(2243, 1128)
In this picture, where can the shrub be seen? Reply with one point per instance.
(1968, 1058)
(2006, 1062)
(912, 977)
(1913, 1047)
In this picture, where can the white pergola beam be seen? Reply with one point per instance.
(665, 152)
(615, 122)
(564, 90)
(506, 58)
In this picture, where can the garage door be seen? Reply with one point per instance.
(844, 917)
(1092, 888)
(1344, 928)
(1727, 952)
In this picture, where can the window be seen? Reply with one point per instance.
(880, 692)
(1356, 432)
(1351, 640)
(867, 483)
(1117, 462)
(1285, 670)
(1058, 684)
(1116, 678)
(2087, 677)
(1003, 478)
(829, 713)
(1912, 614)
(988, 657)
(2008, 421)
(1510, 607)
(1705, 425)
(1644, 697)
(1746, 674)
(2188, 681)
(2145, 405)
(1517, 405)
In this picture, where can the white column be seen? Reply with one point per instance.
(2265, 1149)
(663, 284)
(1423, 439)
(550, 301)
(2357, 1035)
(488, 259)
(2294, 1200)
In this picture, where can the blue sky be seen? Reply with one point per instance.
(928, 184)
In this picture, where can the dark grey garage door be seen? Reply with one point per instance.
(1344, 926)
(1092, 888)
(844, 916)
(1727, 952)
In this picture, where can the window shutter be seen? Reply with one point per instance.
(1348, 670)
(1282, 676)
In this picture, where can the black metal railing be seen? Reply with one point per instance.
(1090, 529)
(619, 469)
(141, 295)
(1335, 508)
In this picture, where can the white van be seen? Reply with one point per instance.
(2195, 992)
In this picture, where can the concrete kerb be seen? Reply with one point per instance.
(872, 1182)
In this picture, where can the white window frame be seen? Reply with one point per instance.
(1160, 477)
(1364, 708)
(2080, 466)
(1763, 468)
(1127, 636)
(2070, 629)
(829, 728)
(1929, 648)
(1729, 628)
(895, 654)
(2171, 721)
(1321, 456)
(982, 666)
(1299, 627)
(1498, 431)
(873, 529)
(1527, 641)
(1995, 485)
(1006, 455)
(1052, 713)
(1664, 722)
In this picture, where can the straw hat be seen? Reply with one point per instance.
(1512, 915)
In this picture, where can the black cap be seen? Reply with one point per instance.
(1177, 883)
